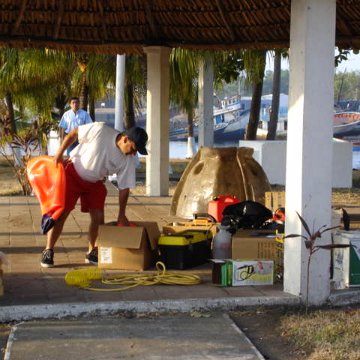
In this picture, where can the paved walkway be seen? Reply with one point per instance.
(34, 292)
(179, 336)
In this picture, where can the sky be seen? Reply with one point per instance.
(352, 64)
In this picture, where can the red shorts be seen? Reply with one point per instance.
(92, 195)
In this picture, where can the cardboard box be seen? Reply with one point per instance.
(1, 283)
(254, 244)
(243, 272)
(189, 225)
(127, 247)
(274, 200)
(260, 244)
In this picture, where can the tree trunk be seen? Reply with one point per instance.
(190, 119)
(92, 108)
(274, 114)
(11, 113)
(60, 103)
(256, 103)
(254, 111)
(84, 92)
(130, 113)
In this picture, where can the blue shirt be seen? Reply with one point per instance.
(71, 120)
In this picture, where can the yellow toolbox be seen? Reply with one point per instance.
(185, 249)
(200, 222)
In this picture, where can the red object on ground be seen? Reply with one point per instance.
(279, 215)
(219, 203)
(48, 183)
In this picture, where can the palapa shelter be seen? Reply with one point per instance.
(310, 28)
(127, 26)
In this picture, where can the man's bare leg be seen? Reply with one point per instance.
(96, 219)
(54, 234)
(47, 258)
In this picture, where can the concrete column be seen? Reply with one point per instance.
(119, 92)
(206, 93)
(157, 121)
(309, 145)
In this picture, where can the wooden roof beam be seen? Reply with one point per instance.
(59, 19)
(150, 18)
(229, 29)
(102, 14)
(343, 26)
(19, 18)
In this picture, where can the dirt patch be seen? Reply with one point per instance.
(282, 333)
(263, 327)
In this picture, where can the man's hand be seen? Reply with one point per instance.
(68, 140)
(58, 158)
(123, 221)
(123, 199)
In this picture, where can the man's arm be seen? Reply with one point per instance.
(123, 199)
(62, 134)
(68, 140)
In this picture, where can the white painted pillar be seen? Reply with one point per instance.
(309, 143)
(157, 120)
(206, 93)
(119, 92)
(191, 147)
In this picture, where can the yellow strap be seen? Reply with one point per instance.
(83, 278)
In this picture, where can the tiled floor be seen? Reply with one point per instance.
(27, 283)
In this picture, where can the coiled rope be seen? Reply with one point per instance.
(83, 278)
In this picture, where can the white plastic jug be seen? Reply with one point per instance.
(221, 248)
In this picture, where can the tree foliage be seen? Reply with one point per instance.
(347, 86)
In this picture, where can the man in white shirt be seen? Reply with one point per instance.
(71, 119)
(101, 151)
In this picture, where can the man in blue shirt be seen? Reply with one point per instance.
(72, 119)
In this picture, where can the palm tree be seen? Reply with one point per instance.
(100, 73)
(183, 82)
(254, 62)
(275, 97)
(184, 68)
(135, 87)
(82, 60)
(30, 79)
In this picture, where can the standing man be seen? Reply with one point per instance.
(71, 119)
(101, 151)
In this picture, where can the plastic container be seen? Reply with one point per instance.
(185, 249)
(221, 248)
(219, 203)
(346, 260)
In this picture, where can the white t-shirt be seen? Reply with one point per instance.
(97, 156)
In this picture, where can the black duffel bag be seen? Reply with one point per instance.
(246, 215)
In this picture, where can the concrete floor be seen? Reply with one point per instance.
(31, 291)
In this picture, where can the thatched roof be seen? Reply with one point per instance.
(117, 26)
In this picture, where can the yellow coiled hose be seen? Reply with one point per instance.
(84, 277)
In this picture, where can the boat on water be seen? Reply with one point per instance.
(232, 129)
(231, 116)
(347, 125)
